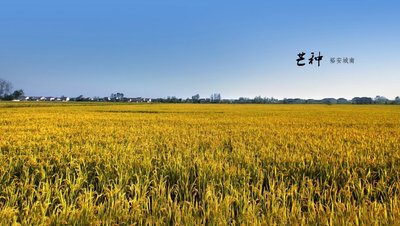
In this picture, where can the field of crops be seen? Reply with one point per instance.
(94, 164)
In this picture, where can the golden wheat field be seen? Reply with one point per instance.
(188, 164)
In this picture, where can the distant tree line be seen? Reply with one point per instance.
(355, 100)
(7, 93)
(216, 98)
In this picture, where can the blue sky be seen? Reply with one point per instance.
(158, 48)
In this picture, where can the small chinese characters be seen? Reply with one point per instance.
(310, 60)
(342, 60)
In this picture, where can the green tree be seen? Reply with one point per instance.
(5, 88)
(17, 94)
